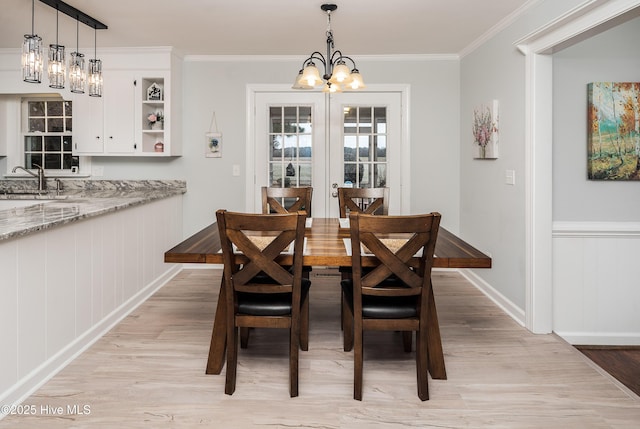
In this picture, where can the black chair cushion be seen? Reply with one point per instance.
(269, 304)
(382, 307)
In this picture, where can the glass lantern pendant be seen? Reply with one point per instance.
(32, 58)
(95, 78)
(77, 74)
(56, 67)
(32, 54)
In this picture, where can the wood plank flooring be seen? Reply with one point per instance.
(149, 372)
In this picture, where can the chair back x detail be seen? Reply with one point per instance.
(286, 200)
(393, 295)
(260, 292)
(363, 200)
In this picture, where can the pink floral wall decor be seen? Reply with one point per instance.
(485, 131)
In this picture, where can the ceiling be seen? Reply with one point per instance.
(260, 27)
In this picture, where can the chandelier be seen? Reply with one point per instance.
(337, 73)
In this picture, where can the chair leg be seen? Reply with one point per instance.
(232, 361)
(347, 326)
(244, 337)
(422, 354)
(293, 361)
(304, 324)
(357, 361)
(407, 340)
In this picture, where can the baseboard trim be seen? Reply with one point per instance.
(601, 338)
(43, 373)
(515, 312)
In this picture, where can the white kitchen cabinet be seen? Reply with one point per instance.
(119, 112)
(117, 124)
(88, 124)
(106, 125)
(91, 274)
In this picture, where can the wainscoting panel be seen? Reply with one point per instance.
(596, 282)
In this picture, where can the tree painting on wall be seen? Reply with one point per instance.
(613, 137)
(485, 131)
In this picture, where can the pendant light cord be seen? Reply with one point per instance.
(33, 11)
(57, 11)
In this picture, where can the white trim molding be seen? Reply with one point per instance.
(595, 277)
(577, 24)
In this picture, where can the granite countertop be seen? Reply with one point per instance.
(78, 199)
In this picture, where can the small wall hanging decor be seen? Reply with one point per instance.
(213, 140)
(154, 92)
(613, 136)
(485, 131)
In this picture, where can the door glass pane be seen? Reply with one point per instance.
(350, 120)
(290, 141)
(364, 122)
(364, 172)
(304, 178)
(381, 148)
(275, 120)
(365, 146)
(380, 119)
(304, 147)
(380, 176)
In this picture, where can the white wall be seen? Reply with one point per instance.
(219, 84)
(492, 213)
(612, 56)
(595, 224)
(596, 244)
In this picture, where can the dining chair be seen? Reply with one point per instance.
(363, 200)
(285, 200)
(260, 292)
(395, 294)
(288, 200)
(360, 200)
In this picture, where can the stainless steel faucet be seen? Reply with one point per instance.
(42, 181)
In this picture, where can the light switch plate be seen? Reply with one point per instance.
(236, 170)
(510, 177)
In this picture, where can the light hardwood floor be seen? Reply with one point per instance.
(149, 372)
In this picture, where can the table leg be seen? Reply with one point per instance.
(218, 336)
(434, 341)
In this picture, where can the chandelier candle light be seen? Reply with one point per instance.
(337, 74)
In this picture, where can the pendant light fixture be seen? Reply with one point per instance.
(32, 53)
(336, 72)
(56, 66)
(77, 72)
(95, 71)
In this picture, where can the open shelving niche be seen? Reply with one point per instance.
(151, 135)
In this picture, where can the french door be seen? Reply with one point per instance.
(328, 141)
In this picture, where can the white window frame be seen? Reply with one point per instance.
(17, 110)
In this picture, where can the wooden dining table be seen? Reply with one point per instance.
(325, 247)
